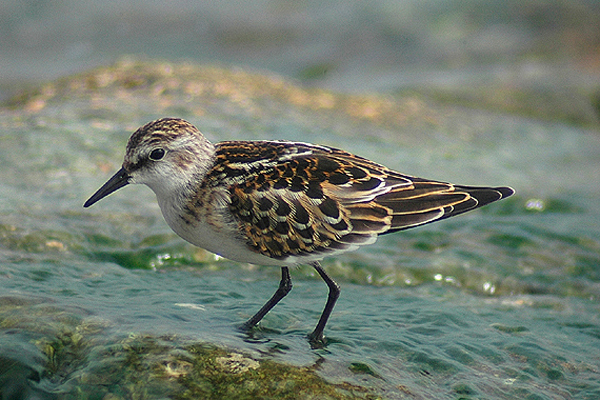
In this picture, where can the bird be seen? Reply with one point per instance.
(281, 203)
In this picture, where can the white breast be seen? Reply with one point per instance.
(223, 240)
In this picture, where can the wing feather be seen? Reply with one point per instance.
(298, 200)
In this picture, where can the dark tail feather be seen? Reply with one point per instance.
(407, 216)
(485, 195)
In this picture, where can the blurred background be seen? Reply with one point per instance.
(108, 302)
(534, 57)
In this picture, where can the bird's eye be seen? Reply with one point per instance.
(157, 154)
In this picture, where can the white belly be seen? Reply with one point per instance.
(225, 244)
(224, 241)
(220, 237)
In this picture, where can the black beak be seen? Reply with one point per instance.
(118, 180)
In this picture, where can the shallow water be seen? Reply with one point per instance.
(497, 304)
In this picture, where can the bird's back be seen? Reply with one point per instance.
(299, 202)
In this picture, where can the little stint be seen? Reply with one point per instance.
(279, 202)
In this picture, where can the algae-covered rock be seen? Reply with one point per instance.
(75, 356)
(130, 86)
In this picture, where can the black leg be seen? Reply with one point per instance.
(285, 285)
(316, 337)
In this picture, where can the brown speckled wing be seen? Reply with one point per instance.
(296, 199)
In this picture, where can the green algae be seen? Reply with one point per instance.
(267, 379)
(143, 366)
(38, 241)
(78, 361)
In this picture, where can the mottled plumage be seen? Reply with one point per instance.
(278, 202)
